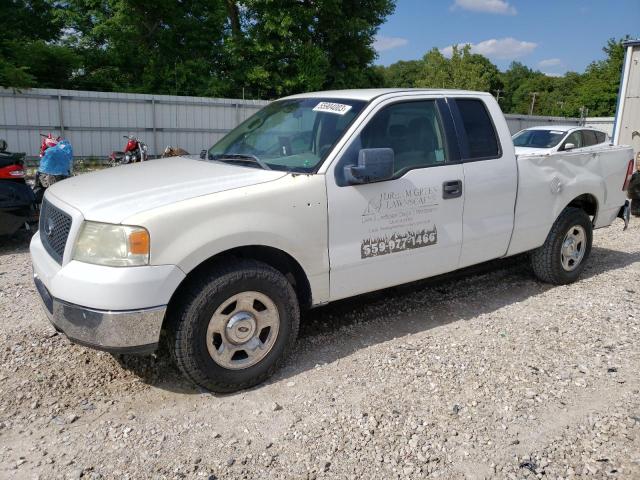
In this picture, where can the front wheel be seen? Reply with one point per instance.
(562, 257)
(233, 328)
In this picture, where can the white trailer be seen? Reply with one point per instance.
(626, 130)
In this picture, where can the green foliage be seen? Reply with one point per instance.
(257, 48)
(464, 70)
(27, 56)
(592, 93)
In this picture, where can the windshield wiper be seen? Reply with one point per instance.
(240, 158)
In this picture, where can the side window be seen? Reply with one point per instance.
(481, 135)
(601, 137)
(589, 138)
(413, 130)
(575, 138)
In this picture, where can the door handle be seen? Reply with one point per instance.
(452, 189)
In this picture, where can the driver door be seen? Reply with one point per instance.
(405, 228)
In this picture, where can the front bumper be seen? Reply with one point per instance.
(127, 331)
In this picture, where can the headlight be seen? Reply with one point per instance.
(112, 245)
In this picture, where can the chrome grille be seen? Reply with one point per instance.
(54, 230)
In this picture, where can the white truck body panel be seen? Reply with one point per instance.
(549, 182)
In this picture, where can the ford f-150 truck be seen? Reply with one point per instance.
(315, 198)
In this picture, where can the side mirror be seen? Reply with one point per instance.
(374, 165)
(203, 154)
(569, 146)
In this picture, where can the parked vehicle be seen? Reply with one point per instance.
(11, 164)
(558, 138)
(16, 197)
(315, 198)
(134, 151)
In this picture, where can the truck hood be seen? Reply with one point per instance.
(112, 194)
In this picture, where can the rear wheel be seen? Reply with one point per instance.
(562, 257)
(234, 327)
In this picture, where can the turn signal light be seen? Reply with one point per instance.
(139, 242)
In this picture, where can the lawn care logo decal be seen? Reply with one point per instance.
(395, 221)
(398, 242)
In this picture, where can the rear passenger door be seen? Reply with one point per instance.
(491, 178)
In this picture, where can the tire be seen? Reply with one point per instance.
(244, 308)
(554, 265)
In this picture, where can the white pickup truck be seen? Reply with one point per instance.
(315, 198)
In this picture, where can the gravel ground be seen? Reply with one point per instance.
(485, 374)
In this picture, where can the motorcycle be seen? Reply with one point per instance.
(134, 151)
(48, 141)
(17, 200)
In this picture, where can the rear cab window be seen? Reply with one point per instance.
(480, 141)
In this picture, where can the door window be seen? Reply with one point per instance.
(481, 135)
(601, 137)
(589, 138)
(575, 138)
(413, 130)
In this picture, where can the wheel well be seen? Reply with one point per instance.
(281, 261)
(586, 202)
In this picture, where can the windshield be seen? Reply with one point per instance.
(291, 135)
(538, 138)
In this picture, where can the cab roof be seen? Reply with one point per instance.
(368, 94)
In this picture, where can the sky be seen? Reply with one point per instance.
(553, 36)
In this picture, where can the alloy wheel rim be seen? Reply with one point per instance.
(573, 248)
(243, 330)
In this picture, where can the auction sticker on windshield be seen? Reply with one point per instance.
(330, 107)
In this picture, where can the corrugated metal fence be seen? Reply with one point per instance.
(95, 122)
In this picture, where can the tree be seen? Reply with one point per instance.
(286, 47)
(402, 74)
(29, 54)
(598, 88)
(464, 70)
(260, 48)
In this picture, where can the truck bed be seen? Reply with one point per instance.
(548, 183)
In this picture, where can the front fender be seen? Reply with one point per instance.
(289, 214)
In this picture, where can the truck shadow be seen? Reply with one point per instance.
(335, 331)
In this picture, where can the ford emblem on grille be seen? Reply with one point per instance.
(49, 226)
